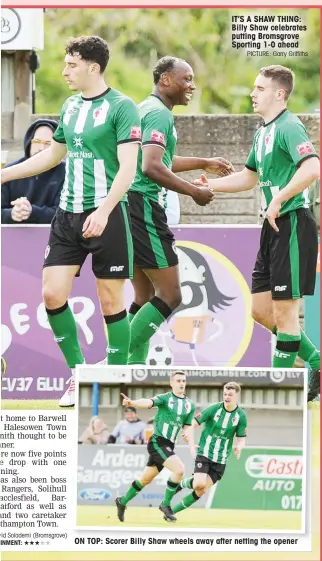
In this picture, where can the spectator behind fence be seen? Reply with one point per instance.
(95, 433)
(130, 430)
(33, 200)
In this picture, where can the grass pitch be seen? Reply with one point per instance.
(27, 404)
(215, 519)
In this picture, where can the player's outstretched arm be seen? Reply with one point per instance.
(244, 180)
(154, 168)
(39, 163)
(141, 403)
(218, 166)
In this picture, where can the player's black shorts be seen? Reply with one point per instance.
(213, 469)
(160, 449)
(153, 241)
(112, 252)
(286, 261)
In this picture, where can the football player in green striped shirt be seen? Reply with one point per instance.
(284, 163)
(175, 412)
(99, 131)
(221, 424)
(156, 273)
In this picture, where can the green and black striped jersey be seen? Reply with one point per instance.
(279, 148)
(92, 129)
(173, 414)
(220, 427)
(157, 123)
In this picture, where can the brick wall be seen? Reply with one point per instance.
(229, 136)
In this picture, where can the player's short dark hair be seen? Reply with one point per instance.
(284, 77)
(232, 386)
(90, 48)
(165, 64)
(177, 372)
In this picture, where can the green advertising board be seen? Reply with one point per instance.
(262, 479)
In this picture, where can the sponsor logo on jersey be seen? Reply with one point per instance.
(171, 402)
(135, 132)
(116, 268)
(47, 250)
(157, 136)
(274, 466)
(280, 288)
(78, 142)
(304, 148)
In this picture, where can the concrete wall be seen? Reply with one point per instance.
(229, 136)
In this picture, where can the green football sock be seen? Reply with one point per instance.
(147, 321)
(287, 348)
(135, 488)
(141, 352)
(186, 502)
(64, 327)
(169, 492)
(186, 483)
(307, 351)
(118, 333)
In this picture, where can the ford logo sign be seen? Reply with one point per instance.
(94, 494)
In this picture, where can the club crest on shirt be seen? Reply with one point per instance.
(100, 113)
(269, 140)
(97, 112)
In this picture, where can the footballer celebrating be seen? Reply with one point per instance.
(156, 279)
(175, 412)
(222, 422)
(99, 131)
(284, 163)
